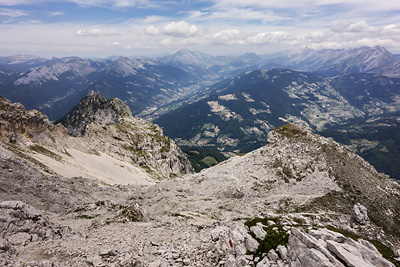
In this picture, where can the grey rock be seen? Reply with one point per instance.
(258, 231)
(306, 249)
(356, 254)
(251, 244)
(164, 264)
(237, 236)
(241, 261)
(215, 233)
(92, 108)
(282, 250)
(128, 260)
(273, 256)
(94, 260)
(360, 214)
(154, 264)
(19, 239)
(264, 263)
(230, 261)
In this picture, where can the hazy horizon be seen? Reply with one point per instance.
(100, 28)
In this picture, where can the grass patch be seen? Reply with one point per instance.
(132, 213)
(79, 210)
(21, 154)
(85, 216)
(276, 236)
(95, 152)
(147, 169)
(46, 152)
(36, 218)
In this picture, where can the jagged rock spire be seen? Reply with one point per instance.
(94, 108)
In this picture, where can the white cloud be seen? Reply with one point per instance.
(177, 29)
(361, 26)
(119, 3)
(113, 44)
(152, 30)
(269, 37)
(13, 13)
(181, 28)
(96, 33)
(231, 36)
(18, 2)
(238, 14)
(309, 4)
(30, 21)
(55, 13)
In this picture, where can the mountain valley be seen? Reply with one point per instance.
(287, 160)
(239, 112)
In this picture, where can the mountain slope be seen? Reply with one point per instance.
(297, 165)
(109, 127)
(52, 89)
(249, 211)
(114, 147)
(22, 63)
(330, 62)
(376, 140)
(374, 94)
(242, 110)
(143, 84)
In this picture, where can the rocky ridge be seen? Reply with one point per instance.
(107, 132)
(310, 203)
(94, 108)
(17, 123)
(109, 127)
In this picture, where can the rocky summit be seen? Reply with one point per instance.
(301, 200)
(94, 108)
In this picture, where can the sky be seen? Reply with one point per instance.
(102, 28)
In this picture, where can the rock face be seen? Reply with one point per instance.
(96, 108)
(326, 248)
(20, 221)
(16, 122)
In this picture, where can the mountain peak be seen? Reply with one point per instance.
(189, 57)
(94, 108)
(126, 67)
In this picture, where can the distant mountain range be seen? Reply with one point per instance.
(55, 89)
(327, 62)
(152, 87)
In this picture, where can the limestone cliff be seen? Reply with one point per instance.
(16, 123)
(109, 127)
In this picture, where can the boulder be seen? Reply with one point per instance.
(355, 254)
(251, 244)
(258, 231)
(360, 215)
